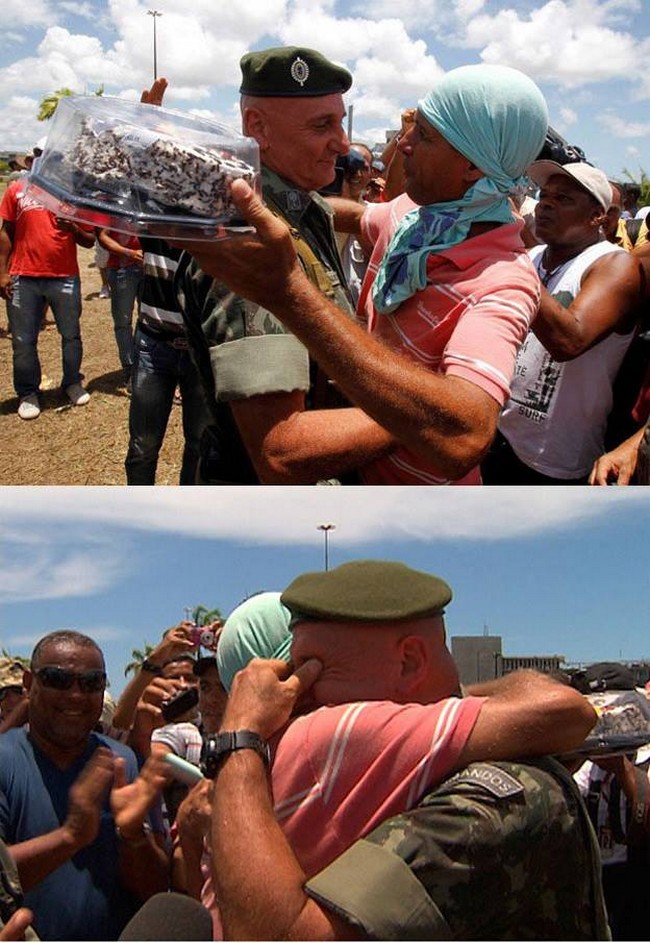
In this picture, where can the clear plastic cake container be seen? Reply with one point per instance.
(142, 169)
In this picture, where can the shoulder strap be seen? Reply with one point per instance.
(314, 269)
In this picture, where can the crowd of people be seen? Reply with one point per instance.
(422, 327)
(315, 771)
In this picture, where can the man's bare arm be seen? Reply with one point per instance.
(619, 465)
(447, 420)
(347, 214)
(527, 714)
(292, 446)
(174, 642)
(6, 246)
(143, 861)
(608, 301)
(248, 845)
(37, 857)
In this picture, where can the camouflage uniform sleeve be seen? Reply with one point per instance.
(250, 352)
(502, 851)
(373, 888)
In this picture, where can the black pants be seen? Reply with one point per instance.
(626, 897)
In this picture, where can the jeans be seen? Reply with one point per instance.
(158, 368)
(125, 284)
(29, 297)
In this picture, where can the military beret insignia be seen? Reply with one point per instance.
(299, 71)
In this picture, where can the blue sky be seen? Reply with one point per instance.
(553, 571)
(589, 56)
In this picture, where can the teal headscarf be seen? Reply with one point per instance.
(497, 118)
(257, 628)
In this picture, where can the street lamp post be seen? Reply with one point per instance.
(155, 14)
(326, 528)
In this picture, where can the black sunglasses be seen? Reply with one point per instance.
(60, 679)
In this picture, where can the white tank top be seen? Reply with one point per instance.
(557, 412)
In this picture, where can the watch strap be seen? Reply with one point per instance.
(231, 740)
(150, 667)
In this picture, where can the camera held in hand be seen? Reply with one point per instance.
(202, 635)
(179, 704)
(556, 148)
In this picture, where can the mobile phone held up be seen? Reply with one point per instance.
(179, 704)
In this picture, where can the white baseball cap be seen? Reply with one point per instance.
(589, 178)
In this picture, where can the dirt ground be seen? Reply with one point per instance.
(82, 445)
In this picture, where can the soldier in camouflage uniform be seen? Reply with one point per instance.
(500, 850)
(257, 376)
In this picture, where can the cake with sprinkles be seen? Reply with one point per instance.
(178, 176)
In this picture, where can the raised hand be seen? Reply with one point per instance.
(264, 694)
(86, 797)
(155, 94)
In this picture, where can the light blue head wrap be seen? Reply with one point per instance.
(497, 118)
(257, 628)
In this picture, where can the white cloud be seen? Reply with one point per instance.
(360, 515)
(37, 13)
(568, 43)
(568, 117)
(395, 48)
(47, 566)
(615, 125)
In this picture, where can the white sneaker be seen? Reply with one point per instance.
(104, 292)
(29, 408)
(77, 395)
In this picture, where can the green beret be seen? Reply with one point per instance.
(366, 591)
(291, 72)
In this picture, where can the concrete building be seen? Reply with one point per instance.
(480, 658)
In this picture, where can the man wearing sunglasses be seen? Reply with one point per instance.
(72, 805)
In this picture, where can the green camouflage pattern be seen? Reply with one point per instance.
(505, 851)
(213, 316)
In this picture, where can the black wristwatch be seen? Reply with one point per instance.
(219, 745)
(150, 667)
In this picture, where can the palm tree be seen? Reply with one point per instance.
(138, 656)
(50, 103)
(204, 616)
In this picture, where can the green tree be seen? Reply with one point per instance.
(201, 615)
(138, 655)
(50, 103)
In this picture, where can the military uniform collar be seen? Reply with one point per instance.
(291, 200)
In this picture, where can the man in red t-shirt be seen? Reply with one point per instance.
(38, 267)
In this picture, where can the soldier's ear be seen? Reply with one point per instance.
(254, 125)
(414, 664)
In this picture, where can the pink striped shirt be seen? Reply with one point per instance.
(340, 771)
(468, 322)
